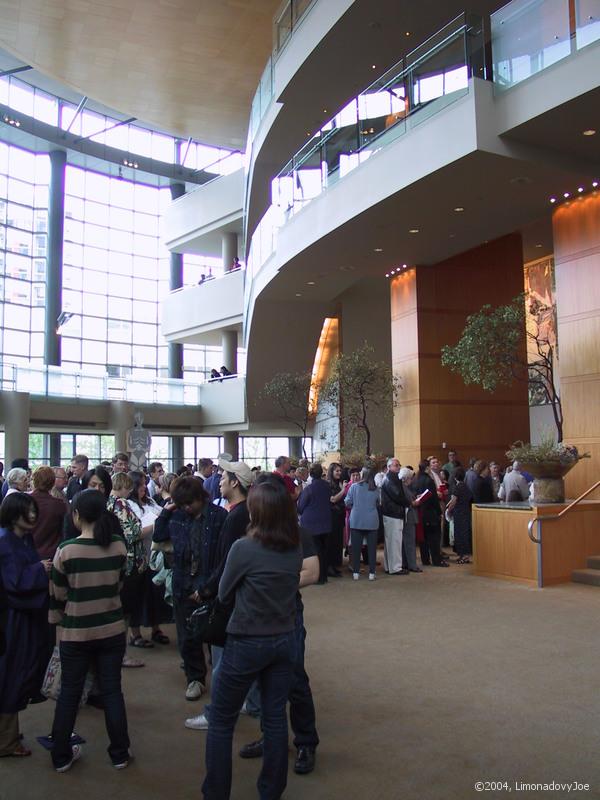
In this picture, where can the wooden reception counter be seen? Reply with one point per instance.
(502, 547)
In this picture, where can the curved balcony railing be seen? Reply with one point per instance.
(424, 83)
(285, 22)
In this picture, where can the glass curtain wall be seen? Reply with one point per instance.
(260, 451)
(115, 272)
(24, 180)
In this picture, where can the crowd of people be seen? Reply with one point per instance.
(90, 556)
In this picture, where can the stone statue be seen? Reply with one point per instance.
(138, 443)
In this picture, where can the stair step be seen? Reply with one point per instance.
(593, 562)
(591, 576)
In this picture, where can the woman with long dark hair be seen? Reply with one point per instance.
(152, 609)
(24, 582)
(97, 479)
(87, 575)
(338, 519)
(261, 579)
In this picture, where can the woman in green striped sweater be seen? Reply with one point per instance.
(87, 575)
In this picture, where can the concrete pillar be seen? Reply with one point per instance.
(120, 420)
(54, 259)
(14, 407)
(229, 342)
(230, 444)
(176, 282)
(176, 452)
(229, 250)
(295, 446)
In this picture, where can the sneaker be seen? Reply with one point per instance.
(244, 709)
(194, 691)
(372, 576)
(123, 764)
(75, 754)
(199, 723)
(355, 576)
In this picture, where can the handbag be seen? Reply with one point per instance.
(52, 680)
(208, 622)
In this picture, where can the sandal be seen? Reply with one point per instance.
(20, 751)
(160, 637)
(463, 560)
(139, 641)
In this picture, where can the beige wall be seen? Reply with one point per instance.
(429, 307)
(577, 262)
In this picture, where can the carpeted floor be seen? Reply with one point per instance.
(423, 685)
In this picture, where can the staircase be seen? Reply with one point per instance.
(590, 575)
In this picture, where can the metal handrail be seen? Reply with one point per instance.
(553, 517)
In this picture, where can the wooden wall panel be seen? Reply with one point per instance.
(429, 307)
(577, 262)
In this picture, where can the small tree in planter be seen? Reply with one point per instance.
(289, 392)
(362, 388)
(490, 352)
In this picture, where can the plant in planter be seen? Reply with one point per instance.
(548, 462)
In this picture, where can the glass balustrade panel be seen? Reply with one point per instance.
(587, 15)
(527, 37)
(282, 26)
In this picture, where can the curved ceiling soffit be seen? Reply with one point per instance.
(188, 67)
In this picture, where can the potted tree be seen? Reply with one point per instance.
(548, 462)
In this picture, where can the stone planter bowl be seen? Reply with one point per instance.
(547, 469)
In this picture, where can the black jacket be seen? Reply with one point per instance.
(393, 499)
(431, 509)
(234, 527)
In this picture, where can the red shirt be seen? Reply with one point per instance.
(289, 483)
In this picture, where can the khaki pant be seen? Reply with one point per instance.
(9, 733)
(392, 549)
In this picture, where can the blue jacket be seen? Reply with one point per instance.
(314, 507)
(194, 545)
(363, 504)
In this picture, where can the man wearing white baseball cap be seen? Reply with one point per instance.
(235, 483)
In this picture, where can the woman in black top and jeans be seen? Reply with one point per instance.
(261, 576)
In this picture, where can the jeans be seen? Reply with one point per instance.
(190, 649)
(302, 707)
(270, 659)
(356, 536)
(253, 696)
(75, 659)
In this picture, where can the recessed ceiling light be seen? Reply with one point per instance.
(310, 283)
(387, 274)
(539, 245)
(324, 110)
(373, 66)
(414, 230)
(378, 249)
(566, 194)
(458, 209)
(408, 33)
(553, 199)
(594, 184)
(298, 294)
(589, 132)
(580, 189)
